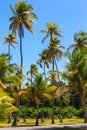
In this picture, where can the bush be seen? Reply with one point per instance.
(67, 112)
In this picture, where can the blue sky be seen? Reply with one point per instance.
(71, 15)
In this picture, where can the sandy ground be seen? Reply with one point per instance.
(46, 127)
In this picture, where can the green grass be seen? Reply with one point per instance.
(31, 122)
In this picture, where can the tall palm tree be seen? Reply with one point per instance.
(76, 75)
(11, 40)
(23, 16)
(52, 32)
(37, 91)
(55, 53)
(80, 41)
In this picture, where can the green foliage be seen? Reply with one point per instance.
(67, 112)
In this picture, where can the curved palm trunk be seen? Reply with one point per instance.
(37, 115)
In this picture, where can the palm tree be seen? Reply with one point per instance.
(11, 40)
(80, 41)
(37, 91)
(76, 75)
(33, 71)
(62, 97)
(43, 61)
(55, 53)
(23, 16)
(52, 31)
(6, 106)
(13, 91)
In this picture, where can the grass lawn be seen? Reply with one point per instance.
(31, 122)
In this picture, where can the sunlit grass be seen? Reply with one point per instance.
(31, 122)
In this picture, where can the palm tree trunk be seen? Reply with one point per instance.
(57, 70)
(16, 118)
(84, 107)
(44, 72)
(9, 52)
(53, 83)
(21, 54)
(37, 115)
(42, 111)
(18, 98)
(53, 122)
(60, 105)
(9, 118)
(10, 115)
(14, 124)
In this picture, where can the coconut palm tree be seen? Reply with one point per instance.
(52, 32)
(76, 75)
(23, 16)
(55, 53)
(11, 40)
(80, 41)
(43, 61)
(62, 97)
(37, 91)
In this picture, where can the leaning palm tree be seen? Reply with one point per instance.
(23, 16)
(11, 40)
(37, 91)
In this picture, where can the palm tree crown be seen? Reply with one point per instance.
(23, 17)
